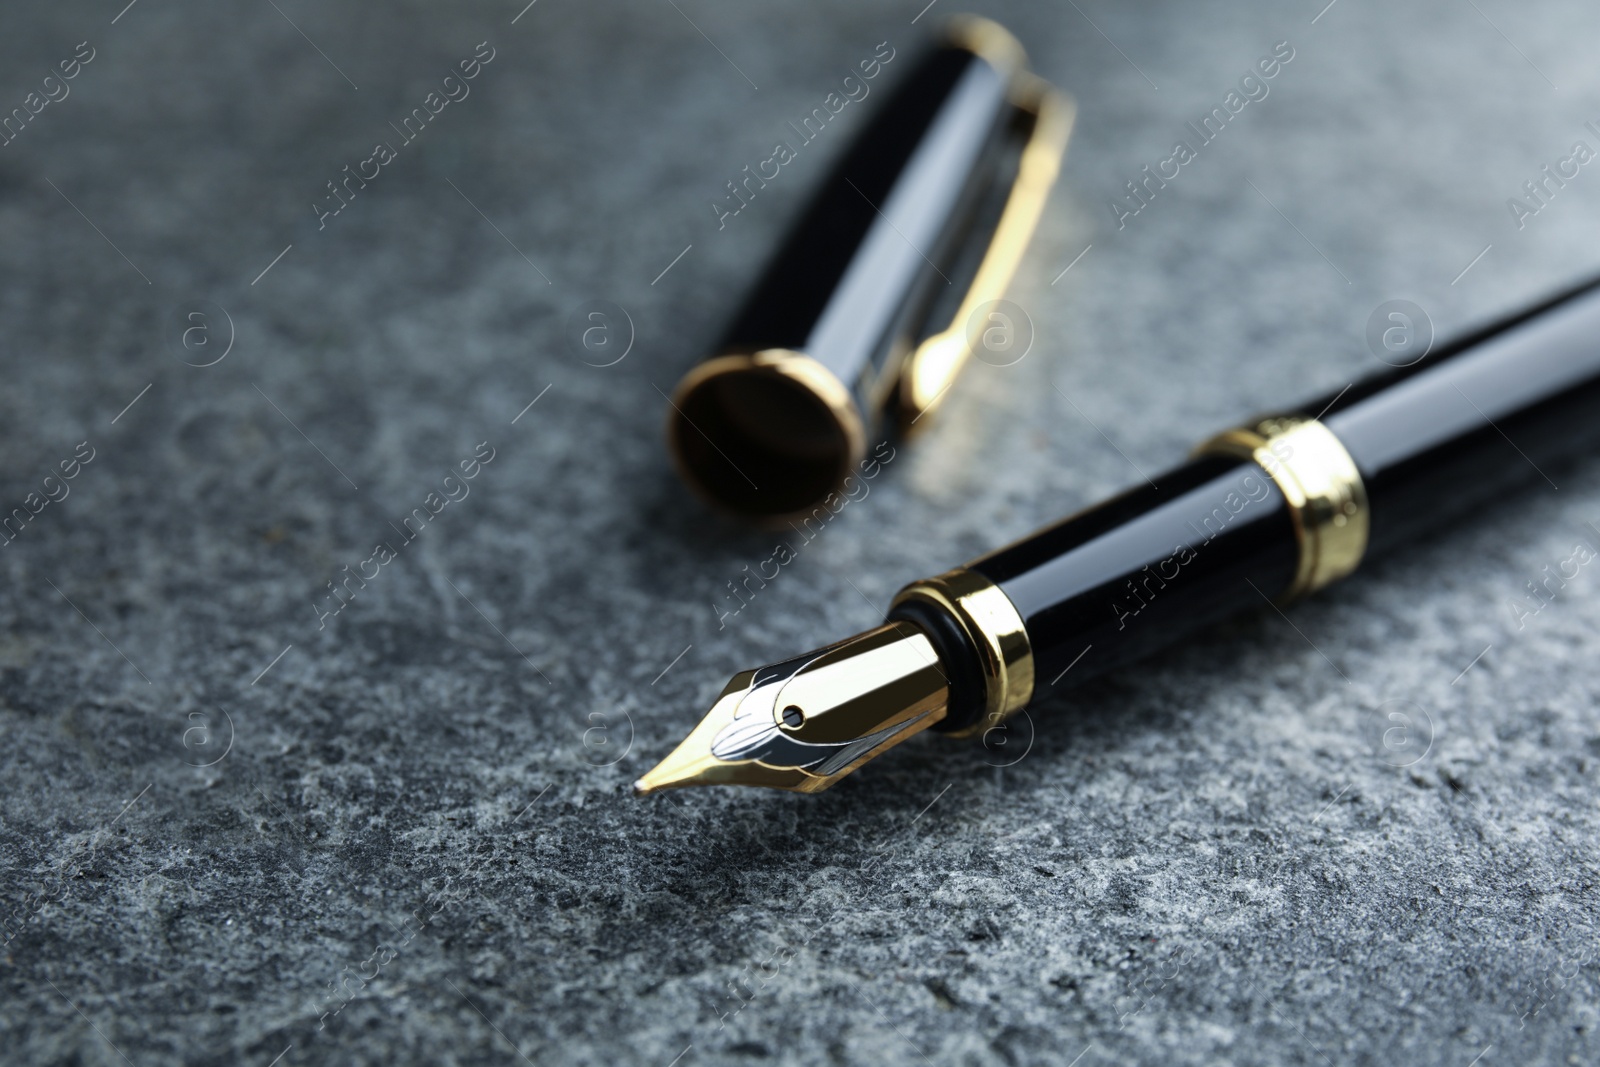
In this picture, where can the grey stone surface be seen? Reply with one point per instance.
(413, 843)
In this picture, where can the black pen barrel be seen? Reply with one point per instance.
(1404, 452)
(1500, 406)
(1111, 584)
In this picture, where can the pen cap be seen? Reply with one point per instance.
(862, 320)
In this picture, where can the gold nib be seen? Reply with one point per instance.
(805, 723)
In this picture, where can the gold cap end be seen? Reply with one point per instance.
(765, 435)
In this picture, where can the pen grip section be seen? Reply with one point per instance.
(1111, 584)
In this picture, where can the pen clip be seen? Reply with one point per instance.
(1044, 115)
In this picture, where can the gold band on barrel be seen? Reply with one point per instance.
(1322, 485)
(994, 628)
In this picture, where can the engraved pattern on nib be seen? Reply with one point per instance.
(804, 723)
(754, 733)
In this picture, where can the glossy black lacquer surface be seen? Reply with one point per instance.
(877, 244)
(1500, 406)
(1125, 577)
(1433, 441)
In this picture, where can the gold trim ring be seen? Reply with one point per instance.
(993, 628)
(723, 411)
(1326, 497)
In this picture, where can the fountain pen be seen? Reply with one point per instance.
(1273, 510)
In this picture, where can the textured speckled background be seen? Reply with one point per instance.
(409, 840)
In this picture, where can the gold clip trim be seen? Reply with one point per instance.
(1327, 499)
(932, 368)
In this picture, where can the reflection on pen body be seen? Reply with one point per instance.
(855, 89)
